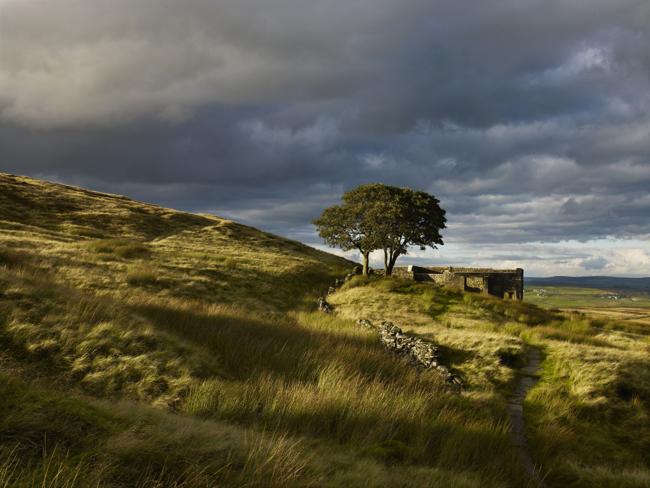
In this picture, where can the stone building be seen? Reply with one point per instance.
(502, 283)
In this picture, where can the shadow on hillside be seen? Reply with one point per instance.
(452, 355)
(283, 290)
(246, 346)
(52, 206)
(440, 305)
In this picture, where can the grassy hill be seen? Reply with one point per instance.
(141, 346)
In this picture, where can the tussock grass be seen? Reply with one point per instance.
(471, 339)
(142, 276)
(120, 248)
(8, 466)
(13, 258)
(54, 472)
(126, 445)
(303, 374)
(93, 342)
(589, 415)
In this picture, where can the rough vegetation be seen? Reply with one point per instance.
(140, 346)
(588, 418)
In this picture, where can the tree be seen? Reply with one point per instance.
(413, 218)
(376, 216)
(354, 224)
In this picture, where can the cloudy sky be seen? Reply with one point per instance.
(529, 119)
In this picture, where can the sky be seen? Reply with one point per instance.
(528, 119)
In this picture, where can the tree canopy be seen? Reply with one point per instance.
(377, 216)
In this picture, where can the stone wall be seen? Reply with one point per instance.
(414, 350)
(502, 283)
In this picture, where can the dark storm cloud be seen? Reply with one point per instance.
(529, 119)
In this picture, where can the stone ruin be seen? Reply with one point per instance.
(502, 283)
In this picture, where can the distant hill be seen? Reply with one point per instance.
(607, 282)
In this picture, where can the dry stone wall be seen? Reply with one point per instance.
(323, 306)
(414, 350)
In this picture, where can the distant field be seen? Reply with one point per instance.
(574, 297)
(624, 306)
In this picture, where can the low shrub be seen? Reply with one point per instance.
(121, 248)
(142, 276)
(389, 452)
(12, 257)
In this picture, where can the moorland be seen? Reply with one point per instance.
(142, 346)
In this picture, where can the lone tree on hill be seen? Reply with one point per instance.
(377, 216)
(414, 218)
(353, 225)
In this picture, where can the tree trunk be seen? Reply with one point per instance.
(386, 268)
(365, 264)
(391, 263)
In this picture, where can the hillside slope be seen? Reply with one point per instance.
(140, 346)
(106, 242)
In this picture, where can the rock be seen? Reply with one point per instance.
(365, 323)
(331, 290)
(323, 306)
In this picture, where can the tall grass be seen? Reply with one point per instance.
(8, 467)
(588, 417)
(121, 248)
(277, 462)
(55, 470)
(305, 374)
(142, 276)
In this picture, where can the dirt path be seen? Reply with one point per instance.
(529, 377)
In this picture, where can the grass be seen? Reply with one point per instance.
(140, 346)
(109, 308)
(120, 248)
(142, 275)
(588, 418)
(299, 375)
